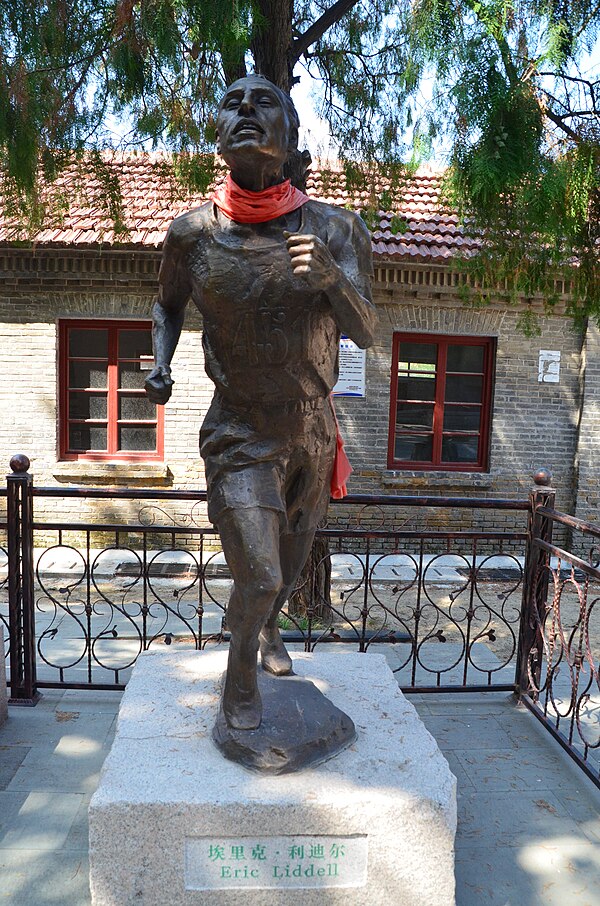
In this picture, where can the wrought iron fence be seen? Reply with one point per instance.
(101, 592)
(559, 674)
(454, 610)
(4, 567)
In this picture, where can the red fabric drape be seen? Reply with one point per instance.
(342, 470)
(244, 206)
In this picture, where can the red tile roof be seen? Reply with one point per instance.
(419, 227)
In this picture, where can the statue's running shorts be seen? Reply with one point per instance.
(278, 457)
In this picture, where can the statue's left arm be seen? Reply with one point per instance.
(342, 269)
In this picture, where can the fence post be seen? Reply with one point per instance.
(535, 587)
(21, 599)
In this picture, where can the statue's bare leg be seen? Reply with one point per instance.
(294, 552)
(250, 539)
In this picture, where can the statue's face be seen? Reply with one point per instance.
(252, 121)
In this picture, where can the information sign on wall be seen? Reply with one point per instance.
(351, 381)
(549, 367)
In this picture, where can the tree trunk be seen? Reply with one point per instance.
(314, 595)
(272, 42)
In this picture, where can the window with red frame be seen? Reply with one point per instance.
(104, 412)
(440, 402)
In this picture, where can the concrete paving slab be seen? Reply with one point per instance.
(11, 758)
(30, 727)
(78, 837)
(91, 701)
(521, 734)
(565, 872)
(505, 769)
(469, 703)
(468, 732)
(10, 804)
(43, 822)
(514, 818)
(54, 775)
(464, 782)
(30, 878)
(582, 807)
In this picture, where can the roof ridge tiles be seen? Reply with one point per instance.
(152, 196)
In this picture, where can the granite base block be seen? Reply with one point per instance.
(173, 823)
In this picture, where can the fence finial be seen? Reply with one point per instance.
(542, 478)
(20, 463)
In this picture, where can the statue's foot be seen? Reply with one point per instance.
(242, 706)
(273, 654)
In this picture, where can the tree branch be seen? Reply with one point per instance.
(233, 69)
(558, 121)
(318, 28)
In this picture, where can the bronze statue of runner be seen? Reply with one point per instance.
(274, 296)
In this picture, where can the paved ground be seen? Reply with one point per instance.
(441, 568)
(529, 820)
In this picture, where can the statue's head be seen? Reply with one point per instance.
(256, 118)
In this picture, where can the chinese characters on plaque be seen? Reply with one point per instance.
(272, 862)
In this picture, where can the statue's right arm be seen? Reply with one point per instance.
(168, 315)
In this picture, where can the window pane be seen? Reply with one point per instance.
(136, 407)
(416, 388)
(411, 415)
(134, 343)
(131, 438)
(87, 437)
(465, 358)
(131, 377)
(87, 405)
(417, 356)
(460, 449)
(88, 374)
(462, 418)
(88, 343)
(460, 389)
(414, 447)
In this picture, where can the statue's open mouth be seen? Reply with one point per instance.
(248, 126)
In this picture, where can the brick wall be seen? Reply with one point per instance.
(587, 472)
(533, 424)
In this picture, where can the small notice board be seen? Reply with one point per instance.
(352, 380)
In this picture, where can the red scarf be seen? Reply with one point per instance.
(342, 470)
(244, 206)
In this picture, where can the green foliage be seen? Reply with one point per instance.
(503, 85)
(522, 124)
(194, 172)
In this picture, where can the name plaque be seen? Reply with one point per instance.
(225, 863)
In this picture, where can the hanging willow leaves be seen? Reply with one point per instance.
(508, 90)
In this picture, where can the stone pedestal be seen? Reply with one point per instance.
(173, 823)
(3, 689)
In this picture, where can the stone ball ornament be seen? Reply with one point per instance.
(20, 463)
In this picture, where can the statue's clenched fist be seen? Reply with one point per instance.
(159, 384)
(312, 259)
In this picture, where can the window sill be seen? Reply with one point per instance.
(415, 479)
(112, 472)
